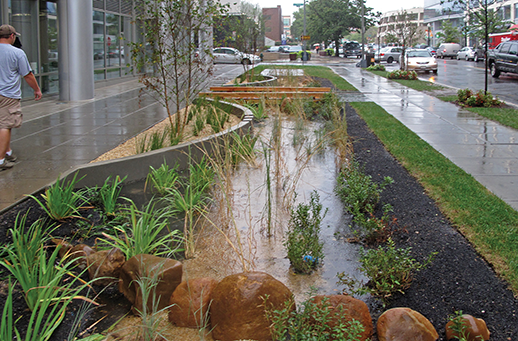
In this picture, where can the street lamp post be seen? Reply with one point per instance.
(304, 53)
(428, 28)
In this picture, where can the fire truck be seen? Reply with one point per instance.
(497, 38)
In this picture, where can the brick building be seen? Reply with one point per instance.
(273, 23)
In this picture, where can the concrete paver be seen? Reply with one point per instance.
(483, 148)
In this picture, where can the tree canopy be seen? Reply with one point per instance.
(331, 20)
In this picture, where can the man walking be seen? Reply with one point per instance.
(13, 64)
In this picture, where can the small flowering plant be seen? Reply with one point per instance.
(402, 74)
(479, 99)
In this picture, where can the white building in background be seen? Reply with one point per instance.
(389, 20)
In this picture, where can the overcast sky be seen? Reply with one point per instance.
(378, 5)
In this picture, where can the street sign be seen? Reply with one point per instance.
(305, 38)
(109, 41)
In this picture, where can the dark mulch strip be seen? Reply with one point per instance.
(458, 279)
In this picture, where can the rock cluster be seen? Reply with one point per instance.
(235, 308)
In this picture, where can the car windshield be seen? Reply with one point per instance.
(385, 49)
(417, 54)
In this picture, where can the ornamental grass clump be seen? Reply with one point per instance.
(109, 193)
(163, 178)
(305, 250)
(145, 232)
(60, 201)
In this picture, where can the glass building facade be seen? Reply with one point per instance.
(39, 23)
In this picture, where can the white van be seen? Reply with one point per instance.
(448, 50)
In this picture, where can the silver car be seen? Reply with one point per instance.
(230, 55)
(388, 54)
(419, 60)
(467, 53)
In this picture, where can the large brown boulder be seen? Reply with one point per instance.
(345, 309)
(190, 302)
(105, 266)
(476, 329)
(405, 324)
(149, 269)
(238, 306)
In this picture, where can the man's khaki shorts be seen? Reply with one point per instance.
(10, 113)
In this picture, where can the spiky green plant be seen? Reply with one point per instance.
(163, 178)
(60, 201)
(109, 194)
(145, 232)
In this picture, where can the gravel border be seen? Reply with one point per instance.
(458, 278)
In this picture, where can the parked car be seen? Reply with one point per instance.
(273, 49)
(448, 50)
(467, 53)
(230, 55)
(284, 48)
(504, 58)
(419, 60)
(388, 54)
(352, 48)
(432, 50)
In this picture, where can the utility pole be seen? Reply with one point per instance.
(304, 53)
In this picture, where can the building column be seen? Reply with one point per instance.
(75, 47)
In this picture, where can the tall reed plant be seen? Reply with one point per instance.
(191, 200)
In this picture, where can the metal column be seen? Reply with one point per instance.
(75, 47)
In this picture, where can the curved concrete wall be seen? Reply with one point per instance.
(137, 167)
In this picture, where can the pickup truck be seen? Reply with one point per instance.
(503, 58)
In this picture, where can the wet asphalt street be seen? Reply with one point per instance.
(461, 74)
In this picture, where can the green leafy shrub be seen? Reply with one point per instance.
(376, 67)
(310, 322)
(389, 270)
(463, 95)
(478, 99)
(357, 190)
(305, 250)
(402, 74)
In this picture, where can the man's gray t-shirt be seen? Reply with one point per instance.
(13, 64)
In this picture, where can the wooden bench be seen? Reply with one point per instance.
(267, 89)
(255, 96)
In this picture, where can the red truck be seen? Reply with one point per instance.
(497, 38)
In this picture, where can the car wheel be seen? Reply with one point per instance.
(494, 70)
(467, 58)
(245, 61)
(434, 71)
(390, 60)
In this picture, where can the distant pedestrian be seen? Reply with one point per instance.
(13, 65)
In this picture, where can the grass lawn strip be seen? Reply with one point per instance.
(485, 220)
(505, 116)
(312, 71)
(418, 85)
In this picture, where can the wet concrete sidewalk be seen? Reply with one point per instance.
(483, 148)
(57, 137)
